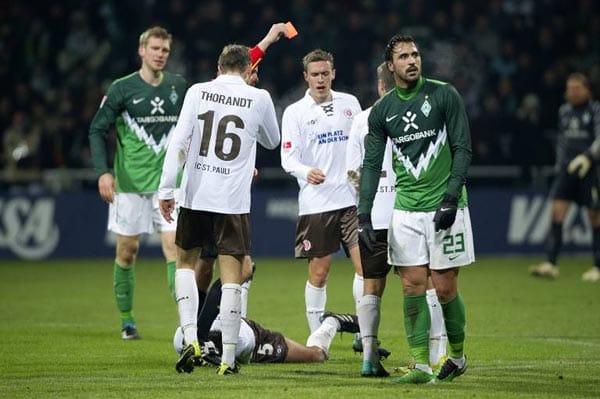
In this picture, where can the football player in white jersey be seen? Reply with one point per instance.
(216, 136)
(374, 260)
(315, 131)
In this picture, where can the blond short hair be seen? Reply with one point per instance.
(315, 56)
(155, 31)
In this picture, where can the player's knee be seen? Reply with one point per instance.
(445, 294)
(318, 278)
(127, 253)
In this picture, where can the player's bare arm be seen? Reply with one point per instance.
(275, 33)
(106, 187)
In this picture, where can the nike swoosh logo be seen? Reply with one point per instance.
(453, 257)
(137, 100)
(360, 230)
(390, 118)
(445, 209)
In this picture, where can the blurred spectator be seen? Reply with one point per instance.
(57, 58)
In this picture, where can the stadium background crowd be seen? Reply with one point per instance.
(508, 58)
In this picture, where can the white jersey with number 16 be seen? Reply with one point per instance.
(215, 137)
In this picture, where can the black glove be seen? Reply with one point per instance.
(446, 213)
(366, 234)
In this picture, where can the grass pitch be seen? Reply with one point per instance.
(59, 335)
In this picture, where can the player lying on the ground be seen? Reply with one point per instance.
(259, 345)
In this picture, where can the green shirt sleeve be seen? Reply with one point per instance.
(460, 141)
(371, 171)
(99, 128)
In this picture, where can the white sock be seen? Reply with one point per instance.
(244, 298)
(459, 362)
(437, 332)
(357, 289)
(323, 335)
(369, 315)
(315, 299)
(230, 320)
(186, 293)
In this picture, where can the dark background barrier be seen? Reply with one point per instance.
(73, 225)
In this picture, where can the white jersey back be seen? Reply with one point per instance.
(315, 136)
(383, 205)
(246, 340)
(216, 135)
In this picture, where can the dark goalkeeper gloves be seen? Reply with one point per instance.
(366, 234)
(446, 213)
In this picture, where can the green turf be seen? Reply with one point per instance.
(59, 335)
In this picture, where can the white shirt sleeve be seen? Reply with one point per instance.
(178, 146)
(354, 150)
(268, 134)
(292, 146)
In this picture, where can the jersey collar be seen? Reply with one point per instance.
(407, 94)
(230, 79)
(308, 97)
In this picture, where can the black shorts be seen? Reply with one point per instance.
(584, 192)
(320, 234)
(229, 234)
(374, 264)
(270, 345)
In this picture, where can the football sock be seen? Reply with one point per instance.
(554, 242)
(357, 289)
(209, 311)
(437, 333)
(171, 266)
(417, 323)
(454, 315)
(187, 303)
(230, 320)
(201, 299)
(245, 288)
(368, 319)
(323, 335)
(596, 246)
(124, 284)
(315, 299)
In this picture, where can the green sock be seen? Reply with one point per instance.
(124, 283)
(417, 323)
(171, 266)
(454, 316)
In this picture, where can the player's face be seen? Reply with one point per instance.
(405, 64)
(577, 93)
(319, 75)
(155, 53)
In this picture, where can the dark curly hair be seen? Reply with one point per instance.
(400, 38)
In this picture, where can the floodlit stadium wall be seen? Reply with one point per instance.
(73, 225)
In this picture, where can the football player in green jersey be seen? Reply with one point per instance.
(144, 107)
(430, 230)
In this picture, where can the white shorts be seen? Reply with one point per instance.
(412, 241)
(131, 214)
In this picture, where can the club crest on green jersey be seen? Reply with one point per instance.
(173, 96)
(426, 107)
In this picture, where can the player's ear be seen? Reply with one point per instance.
(305, 76)
(390, 66)
(141, 51)
(332, 74)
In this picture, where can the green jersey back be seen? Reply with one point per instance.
(144, 117)
(429, 130)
